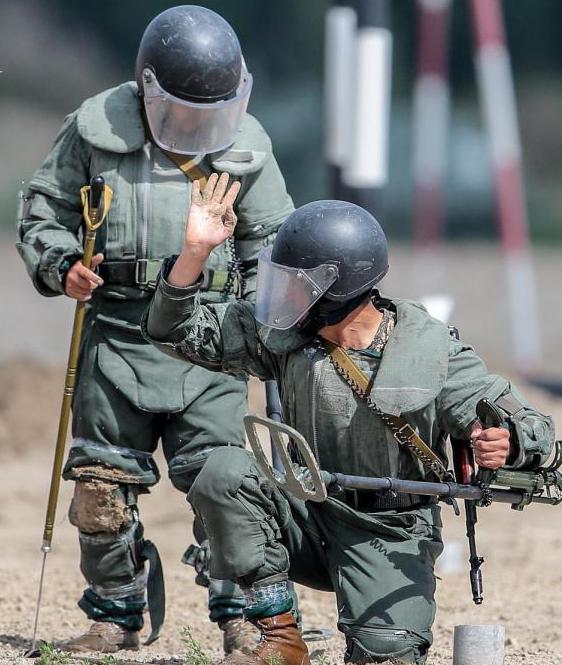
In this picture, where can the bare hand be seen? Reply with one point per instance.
(491, 446)
(80, 281)
(211, 218)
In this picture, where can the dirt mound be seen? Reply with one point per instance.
(30, 396)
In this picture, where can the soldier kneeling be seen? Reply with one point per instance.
(377, 553)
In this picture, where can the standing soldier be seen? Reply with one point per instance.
(184, 118)
(315, 298)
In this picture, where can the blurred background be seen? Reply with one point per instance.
(55, 53)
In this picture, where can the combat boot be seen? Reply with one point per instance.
(104, 637)
(238, 635)
(280, 643)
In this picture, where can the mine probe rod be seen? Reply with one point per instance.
(96, 199)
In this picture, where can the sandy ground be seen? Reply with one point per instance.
(522, 573)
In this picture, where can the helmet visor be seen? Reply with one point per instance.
(284, 294)
(192, 128)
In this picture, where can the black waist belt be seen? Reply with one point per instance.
(367, 501)
(143, 273)
(140, 273)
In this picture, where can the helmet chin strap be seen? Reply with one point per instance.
(330, 312)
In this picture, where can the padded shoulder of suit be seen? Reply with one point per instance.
(249, 152)
(112, 120)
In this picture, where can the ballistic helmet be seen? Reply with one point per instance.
(327, 255)
(193, 80)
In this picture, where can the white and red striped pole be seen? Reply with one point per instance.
(431, 121)
(495, 82)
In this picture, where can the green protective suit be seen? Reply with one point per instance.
(379, 560)
(128, 395)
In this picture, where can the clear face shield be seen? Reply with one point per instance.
(192, 128)
(284, 295)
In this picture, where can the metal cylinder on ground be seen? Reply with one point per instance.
(479, 645)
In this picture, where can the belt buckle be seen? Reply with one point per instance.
(141, 271)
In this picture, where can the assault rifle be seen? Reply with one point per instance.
(305, 480)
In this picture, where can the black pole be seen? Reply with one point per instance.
(274, 411)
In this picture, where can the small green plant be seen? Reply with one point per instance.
(194, 653)
(51, 656)
(274, 659)
(320, 658)
(109, 660)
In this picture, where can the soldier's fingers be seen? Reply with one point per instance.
(476, 428)
(490, 462)
(210, 188)
(220, 189)
(493, 433)
(484, 457)
(84, 282)
(85, 273)
(232, 193)
(96, 260)
(77, 292)
(196, 193)
(490, 446)
(78, 281)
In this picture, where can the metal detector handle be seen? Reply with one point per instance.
(274, 410)
(489, 416)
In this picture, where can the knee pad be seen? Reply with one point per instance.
(99, 506)
(379, 644)
(110, 535)
(222, 474)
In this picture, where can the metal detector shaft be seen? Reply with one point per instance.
(442, 490)
(274, 411)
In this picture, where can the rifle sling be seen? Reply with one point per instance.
(402, 431)
(189, 168)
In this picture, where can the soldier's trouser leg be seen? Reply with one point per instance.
(214, 419)
(379, 565)
(111, 462)
(109, 428)
(111, 546)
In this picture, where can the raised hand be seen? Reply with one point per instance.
(211, 219)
